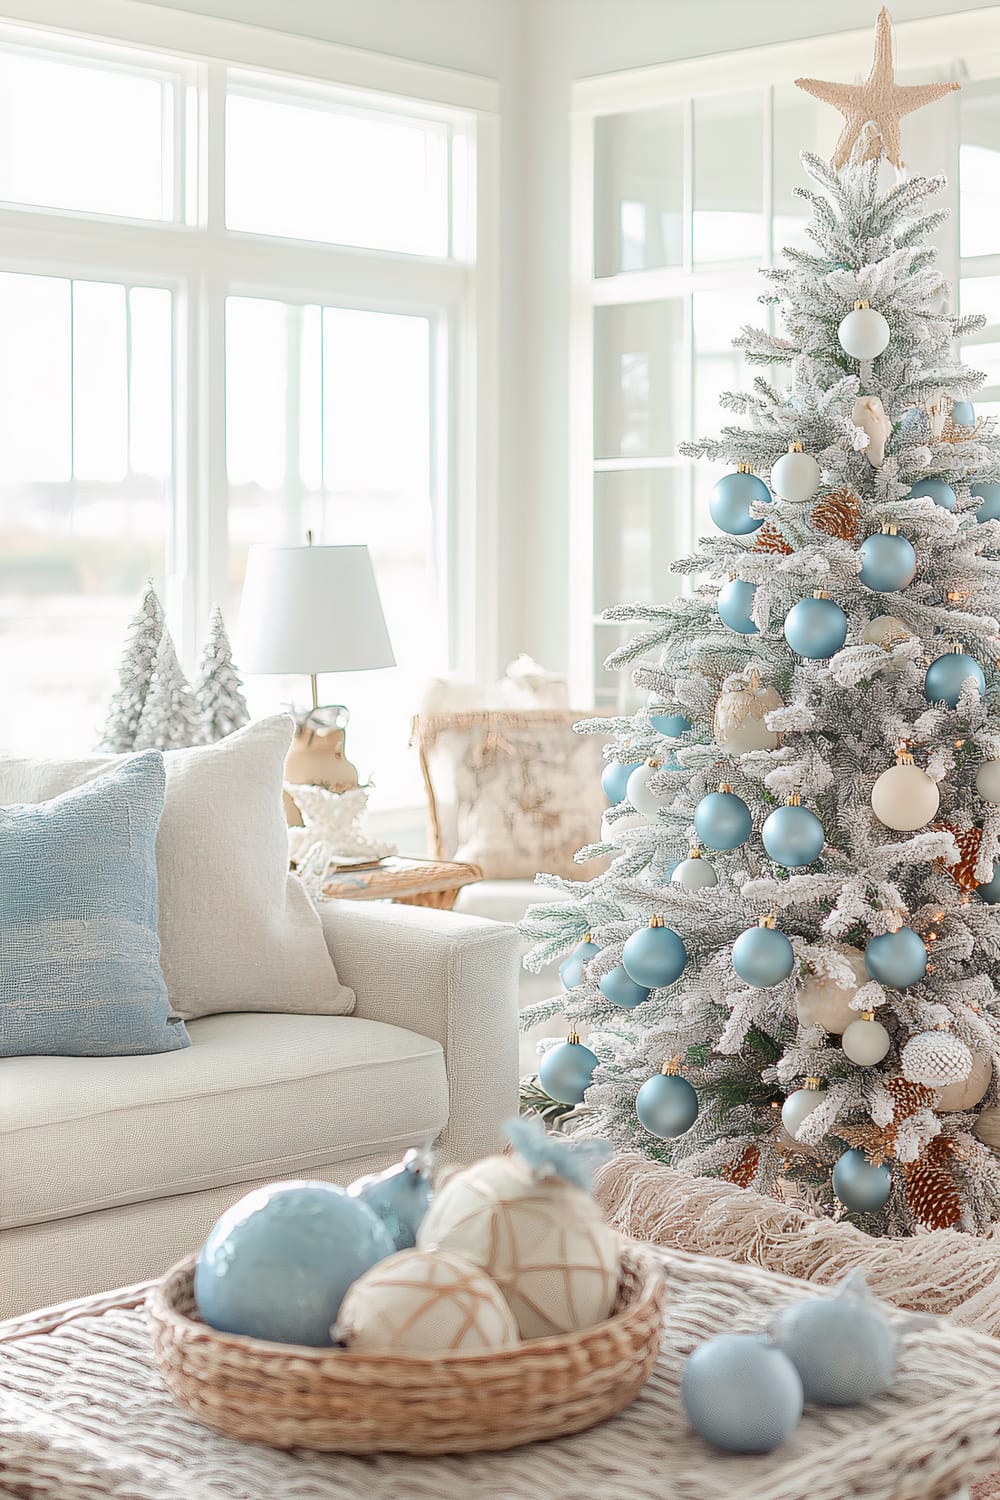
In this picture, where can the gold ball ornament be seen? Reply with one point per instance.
(821, 1002)
(904, 797)
(425, 1302)
(967, 1094)
(544, 1242)
(739, 725)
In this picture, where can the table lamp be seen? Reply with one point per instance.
(307, 610)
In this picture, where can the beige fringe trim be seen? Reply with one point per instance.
(940, 1272)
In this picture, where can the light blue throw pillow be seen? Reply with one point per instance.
(79, 956)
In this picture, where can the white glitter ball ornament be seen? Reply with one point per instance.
(426, 1302)
(542, 1239)
(936, 1058)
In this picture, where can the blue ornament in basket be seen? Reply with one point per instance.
(277, 1264)
(400, 1195)
(844, 1346)
(741, 1393)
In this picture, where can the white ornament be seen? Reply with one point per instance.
(739, 717)
(544, 1243)
(904, 797)
(638, 793)
(800, 1104)
(866, 1041)
(886, 630)
(987, 1128)
(425, 1302)
(869, 414)
(988, 780)
(613, 828)
(821, 1002)
(694, 873)
(864, 333)
(964, 1095)
(936, 1058)
(796, 476)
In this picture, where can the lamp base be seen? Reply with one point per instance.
(318, 755)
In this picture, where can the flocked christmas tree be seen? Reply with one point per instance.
(135, 673)
(170, 719)
(789, 969)
(218, 690)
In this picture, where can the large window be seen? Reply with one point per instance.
(236, 306)
(683, 186)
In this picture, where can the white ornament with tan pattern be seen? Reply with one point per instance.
(531, 1222)
(425, 1302)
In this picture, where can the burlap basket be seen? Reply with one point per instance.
(334, 1400)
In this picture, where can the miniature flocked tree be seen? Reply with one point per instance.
(789, 967)
(135, 673)
(170, 719)
(217, 692)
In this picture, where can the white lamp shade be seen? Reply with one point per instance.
(312, 609)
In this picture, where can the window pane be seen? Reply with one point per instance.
(718, 367)
(638, 379)
(981, 294)
(76, 135)
(329, 429)
(638, 190)
(614, 692)
(979, 173)
(81, 526)
(315, 171)
(801, 123)
(729, 178)
(640, 524)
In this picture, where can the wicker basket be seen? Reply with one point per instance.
(337, 1401)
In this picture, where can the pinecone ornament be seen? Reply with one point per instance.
(769, 539)
(838, 514)
(936, 1058)
(743, 1169)
(930, 1191)
(968, 840)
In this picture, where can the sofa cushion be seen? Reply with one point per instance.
(237, 932)
(253, 1096)
(79, 959)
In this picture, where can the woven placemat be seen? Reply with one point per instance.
(84, 1414)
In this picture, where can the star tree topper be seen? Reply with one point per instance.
(880, 98)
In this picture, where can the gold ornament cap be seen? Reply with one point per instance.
(795, 447)
(724, 787)
(671, 1067)
(694, 852)
(793, 800)
(821, 593)
(861, 303)
(812, 1082)
(770, 921)
(743, 467)
(867, 1015)
(903, 756)
(657, 921)
(889, 529)
(573, 1038)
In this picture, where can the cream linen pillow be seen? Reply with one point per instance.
(237, 931)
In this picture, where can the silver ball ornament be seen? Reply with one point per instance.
(800, 1104)
(861, 1188)
(988, 780)
(642, 799)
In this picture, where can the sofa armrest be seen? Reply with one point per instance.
(453, 978)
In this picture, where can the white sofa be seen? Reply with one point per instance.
(113, 1168)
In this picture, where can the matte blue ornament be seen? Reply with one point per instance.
(735, 603)
(935, 489)
(793, 836)
(730, 500)
(654, 956)
(888, 562)
(571, 968)
(989, 891)
(861, 1188)
(277, 1264)
(614, 779)
(672, 725)
(667, 1105)
(963, 413)
(722, 820)
(844, 1347)
(567, 1071)
(816, 627)
(946, 676)
(617, 987)
(762, 956)
(896, 959)
(401, 1195)
(989, 493)
(741, 1393)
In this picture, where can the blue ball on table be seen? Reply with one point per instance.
(947, 675)
(614, 779)
(793, 836)
(730, 501)
(735, 605)
(844, 1347)
(934, 489)
(988, 493)
(722, 820)
(816, 628)
(861, 1188)
(617, 987)
(277, 1264)
(896, 959)
(888, 562)
(571, 968)
(741, 1393)
(763, 957)
(667, 1106)
(567, 1071)
(654, 956)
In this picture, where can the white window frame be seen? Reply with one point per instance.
(202, 263)
(973, 36)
